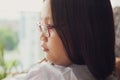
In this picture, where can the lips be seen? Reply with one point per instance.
(44, 47)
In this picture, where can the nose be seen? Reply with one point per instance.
(43, 37)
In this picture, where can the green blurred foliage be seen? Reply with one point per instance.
(8, 38)
(6, 66)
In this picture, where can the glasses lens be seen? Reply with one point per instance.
(44, 30)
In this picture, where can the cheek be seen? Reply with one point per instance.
(55, 43)
(56, 49)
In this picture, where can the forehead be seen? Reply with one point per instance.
(45, 11)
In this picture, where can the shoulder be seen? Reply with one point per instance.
(44, 71)
(82, 72)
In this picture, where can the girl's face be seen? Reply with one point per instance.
(50, 41)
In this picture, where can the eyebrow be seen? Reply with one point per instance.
(45, 19)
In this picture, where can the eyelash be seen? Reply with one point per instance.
(49, 26)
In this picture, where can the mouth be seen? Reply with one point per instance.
(45, 49)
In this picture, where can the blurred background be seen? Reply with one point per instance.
(19, 35)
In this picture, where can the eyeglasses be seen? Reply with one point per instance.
(45, 29)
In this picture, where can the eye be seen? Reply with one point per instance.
(50, 26)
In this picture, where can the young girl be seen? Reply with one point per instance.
(78, 39)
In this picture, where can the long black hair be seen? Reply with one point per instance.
(86, 28)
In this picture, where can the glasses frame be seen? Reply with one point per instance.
(45, 29)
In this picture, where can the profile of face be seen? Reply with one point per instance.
(50, 41)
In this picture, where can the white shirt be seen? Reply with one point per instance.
(45, 71)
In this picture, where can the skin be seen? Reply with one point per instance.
(52, 46)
